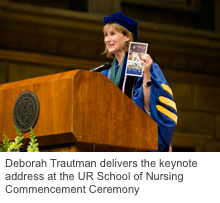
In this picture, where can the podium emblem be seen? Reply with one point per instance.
(26, 110)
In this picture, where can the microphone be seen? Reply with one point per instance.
(104, 66)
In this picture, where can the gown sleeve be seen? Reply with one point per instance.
(162, 106)
(105, 72)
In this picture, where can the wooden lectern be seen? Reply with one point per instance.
(80, 108)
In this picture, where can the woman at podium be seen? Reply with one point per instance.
(150, 90)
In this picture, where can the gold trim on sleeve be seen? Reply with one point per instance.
(167, 113)
(167, 88)
(168, 102)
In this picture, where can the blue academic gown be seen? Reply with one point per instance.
(162, 107)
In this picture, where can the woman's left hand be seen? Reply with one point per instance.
(147, 61)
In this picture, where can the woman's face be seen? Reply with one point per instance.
(115, 41)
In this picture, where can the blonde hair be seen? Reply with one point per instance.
(122, 30)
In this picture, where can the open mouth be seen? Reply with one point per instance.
(110, 45)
